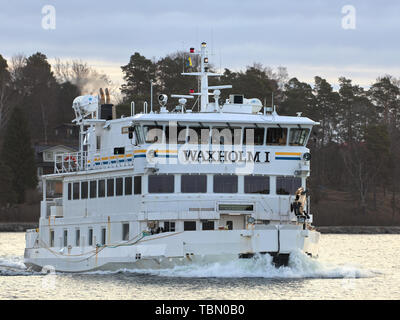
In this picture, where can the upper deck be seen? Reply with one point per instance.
(231, 135)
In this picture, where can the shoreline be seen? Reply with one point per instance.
(23, 226)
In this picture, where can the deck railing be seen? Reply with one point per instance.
(82, 161)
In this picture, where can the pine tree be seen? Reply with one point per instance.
(7, 194)
(18, 154)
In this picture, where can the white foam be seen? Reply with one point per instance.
(13, 266)
(300, 266)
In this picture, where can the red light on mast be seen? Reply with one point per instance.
(191, 50)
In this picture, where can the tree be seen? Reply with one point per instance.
(7, 194)
(137, 74)
(365, 160)
(298, 97)
(40, 94)
(384, 95)
(17, 153)
(5, 92)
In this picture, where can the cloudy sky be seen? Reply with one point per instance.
(305, 36)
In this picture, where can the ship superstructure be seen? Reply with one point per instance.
(159, 189)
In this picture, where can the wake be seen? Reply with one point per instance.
(300, 266)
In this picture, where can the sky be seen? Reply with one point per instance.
(309, 37)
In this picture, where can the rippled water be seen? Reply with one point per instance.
(349, 267)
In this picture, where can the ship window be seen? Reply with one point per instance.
(198, 135)
(162, 183)
(208, 225)
(93, 189)
(180, 133)
(276, 136)
(120, 150)
(51, 238)
(75, 193)
(125, 231)
(103, 236)
(256, 184)
(225, 183)
(102, 188)
(169, 226)
(138, 185)
(98, 143)
(119, 187)
(298, 137)
(287, 185)
(193, 183)
(253, 136)
(84, 190)
(153, 134)
(90, 237)
(110, 187)
(227, 136)
(77, 237)
(128, 186)
(65, 238)
(69, 191)
(189, 225)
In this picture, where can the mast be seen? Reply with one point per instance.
(204, 74)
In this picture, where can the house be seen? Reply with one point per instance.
(44, 159)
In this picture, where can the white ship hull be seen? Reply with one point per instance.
(171, 249)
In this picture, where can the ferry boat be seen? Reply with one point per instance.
(167, 188)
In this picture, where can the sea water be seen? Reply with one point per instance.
(348, 267)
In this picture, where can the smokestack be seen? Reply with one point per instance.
(107, 96)
(102, 100)
(108, 101)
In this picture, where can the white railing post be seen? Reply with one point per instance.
(132, 108)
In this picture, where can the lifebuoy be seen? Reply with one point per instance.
(67, 158)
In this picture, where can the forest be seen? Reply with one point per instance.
(355, 166)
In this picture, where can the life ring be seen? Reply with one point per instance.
(67, 158)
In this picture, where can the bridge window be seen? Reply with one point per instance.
(102, 188)
(189, 225)
(287, 185)
(153, 134)
(138, 185)
(84, 190)
(225, 183)
(175, 136)
(198, 135)
(298, 137)
(128, 186)
(110, 187)
(93, 189)
(256, 184)
(75, 193)
(226, 136)
(253, 136)
(276, 136)
(162, 183)
(193, 183)
(119, 187)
